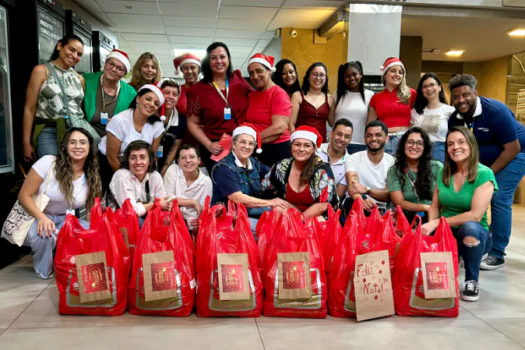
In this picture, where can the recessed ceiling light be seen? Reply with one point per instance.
(129, 7)
(518, 32)
(454, 53)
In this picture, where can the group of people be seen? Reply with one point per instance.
(96, 135)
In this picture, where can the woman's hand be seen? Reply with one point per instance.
(29, 153)
(215, 148)
(45, 227)
(194, 222)
(429, 227)
(165, 205)
(280, 203)
(197, 207)
(426, 207)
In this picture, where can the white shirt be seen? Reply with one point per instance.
(338, 168)
(122, 127)
(353, 108)
(125, 185)
(175, 184)
(433, 121)
(370, 174)
(58, 205)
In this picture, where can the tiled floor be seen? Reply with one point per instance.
(29, 320)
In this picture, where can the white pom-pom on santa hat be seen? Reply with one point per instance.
(263, 59)
(389, 62)
(181, 60)
(249, 129)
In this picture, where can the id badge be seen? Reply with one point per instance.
(70, 211)
(160, 151)
(227, 113)
(103, 118)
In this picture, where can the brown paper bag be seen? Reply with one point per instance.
(93, 282)
(124, 232)
(373, 286)
(159, 276)
(439, 280)
(295, 281)
(233, 276)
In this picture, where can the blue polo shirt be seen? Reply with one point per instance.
(495, 126)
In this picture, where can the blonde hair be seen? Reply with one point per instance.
(136, 78)
(450, 167)
(403, 91)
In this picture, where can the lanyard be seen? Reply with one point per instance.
(413, 184)
(225, 98)
(104, 104)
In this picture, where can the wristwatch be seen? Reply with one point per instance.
(368, 189)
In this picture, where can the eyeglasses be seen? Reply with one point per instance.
(246, 144)
(111, 65)
(412, 143)
(431, 85)
(318, 75)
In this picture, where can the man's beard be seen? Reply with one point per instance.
(375, 150)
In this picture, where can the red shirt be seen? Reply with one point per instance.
(182, 103)
(264, 104)
(205, 102)
(390, 111)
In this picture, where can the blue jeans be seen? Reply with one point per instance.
(254, 215)
(438, 151)
(355, 147)
(44, 247)
(392, 143)
(47, 142)
(508, 180)
(472, 255)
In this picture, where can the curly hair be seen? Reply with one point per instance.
(306, 81)
(425, 178)
(277, 76)
(64, 169)
(421, 100)
(136, 76)
(342, 89)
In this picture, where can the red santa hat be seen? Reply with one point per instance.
(156, 90)
(181, 60)
(309, 133)
(263, 59)
(247, 128)
(391, 61)
(163, 107)
(121, 56)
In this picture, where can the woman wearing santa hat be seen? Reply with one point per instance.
(269, 110)
(139, 122)
(190, 66)
(237, 177)
(311, 105)
(393, 105)
(145, 71)
(217, 104)
(106, 93)
(304, 180)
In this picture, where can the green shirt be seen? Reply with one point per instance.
(394, 183)
(454, 203)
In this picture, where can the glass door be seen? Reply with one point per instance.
(7, 157)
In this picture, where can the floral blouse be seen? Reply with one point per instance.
(322, 184)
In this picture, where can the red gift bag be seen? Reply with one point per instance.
(409, 296)
(264, 231)
(341, 297)
(332, 235)
(294, 275)
(162, 281)
(128, 225)
(228, 278)
(92, 267)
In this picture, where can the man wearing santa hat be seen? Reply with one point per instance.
(106, 93)
(237, 177)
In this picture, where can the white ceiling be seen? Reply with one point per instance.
(246, 26)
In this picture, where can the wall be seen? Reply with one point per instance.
(410, 53)
(303, 52)
(274, 48)
(491, 76)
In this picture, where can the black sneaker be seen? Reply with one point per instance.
(492, 263)
(470, 291)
